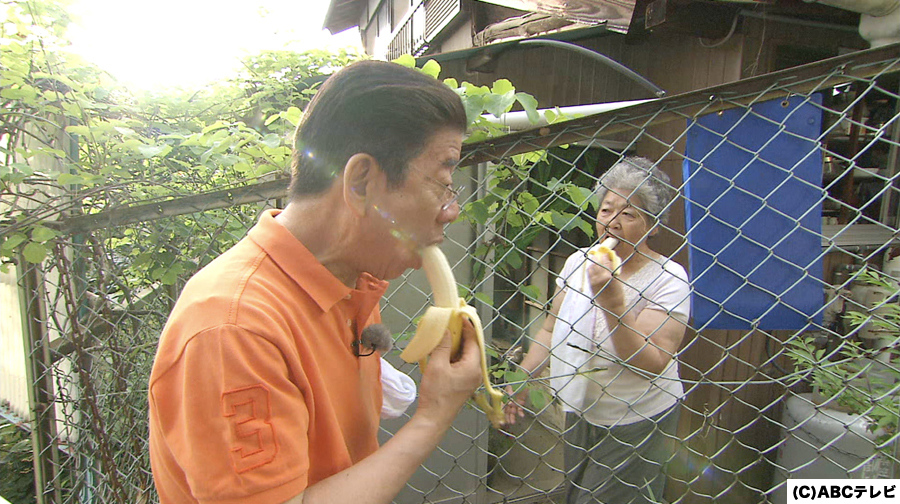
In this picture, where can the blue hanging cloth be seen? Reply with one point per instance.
(753, 214)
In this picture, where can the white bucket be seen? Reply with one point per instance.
(806, 429)
(892, 269)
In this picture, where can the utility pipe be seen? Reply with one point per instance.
(875, 8)
(879, 20)
(656, 90)
(519, 120)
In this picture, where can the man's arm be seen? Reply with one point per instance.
(445, 388)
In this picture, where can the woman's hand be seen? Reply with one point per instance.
(606, 288)
(515, 407)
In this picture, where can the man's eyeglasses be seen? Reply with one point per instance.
(450, 194)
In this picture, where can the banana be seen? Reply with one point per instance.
(448, 312)
(606, 248)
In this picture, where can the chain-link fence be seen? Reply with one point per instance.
(787, 194)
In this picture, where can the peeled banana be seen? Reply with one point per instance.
(606, 248)
(448, 312)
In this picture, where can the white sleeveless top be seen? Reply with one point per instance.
(619, 394)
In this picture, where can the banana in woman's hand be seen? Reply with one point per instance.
(448, 313)
(606, 248)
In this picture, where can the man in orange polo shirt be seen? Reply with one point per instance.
(257, 393)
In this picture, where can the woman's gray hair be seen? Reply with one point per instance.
(638, 177)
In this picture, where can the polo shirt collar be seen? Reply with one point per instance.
(299, 263)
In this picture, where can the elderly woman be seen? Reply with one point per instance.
(610, 340)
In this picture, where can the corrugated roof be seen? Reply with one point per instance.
(344, 14)
(616, 14)
(496, 47)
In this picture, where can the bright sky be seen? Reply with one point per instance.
(188, 43)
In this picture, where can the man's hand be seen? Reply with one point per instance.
(450, 380)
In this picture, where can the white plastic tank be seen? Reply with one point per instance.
(892, 269)
(821, 443)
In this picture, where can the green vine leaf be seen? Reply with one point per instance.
(431, 67)
(581, 196)
(78, 129)
(12, 241)
(271, 141)
(477, 211)
(528, 203)
(34, 252)
(293, 115)
(151, 151)
(532, 292)
(43, 234)
(502, 86)
(513, 259)
(529, 105)
(475, 105)
(473, 90)
(538, 398)
(484, 298)
(21, 92)
(406, 60)
(499, 104)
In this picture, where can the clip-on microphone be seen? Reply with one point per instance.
(373, 337)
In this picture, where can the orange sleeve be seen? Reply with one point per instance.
(234, 419)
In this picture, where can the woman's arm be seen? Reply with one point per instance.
(537, 358)
(647, 341)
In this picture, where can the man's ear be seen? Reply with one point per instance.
(360, 174)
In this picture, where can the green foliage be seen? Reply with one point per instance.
(504, 372)
(522, 199)
(77, 143)
(16, 465)
(74, 142)
(81, 138)
(847, 375)
(276, 85)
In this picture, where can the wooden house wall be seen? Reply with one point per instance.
(730, 417)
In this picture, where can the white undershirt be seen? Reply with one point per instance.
(619, 394)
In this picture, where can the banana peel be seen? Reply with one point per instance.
(448, 313)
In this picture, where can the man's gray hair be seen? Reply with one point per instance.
(638, 178)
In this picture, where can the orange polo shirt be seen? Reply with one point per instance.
(255, 392)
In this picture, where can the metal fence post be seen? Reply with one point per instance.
(43, 432)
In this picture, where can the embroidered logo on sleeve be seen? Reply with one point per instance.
(253, 437)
